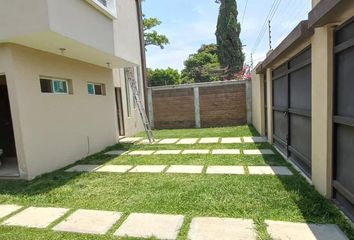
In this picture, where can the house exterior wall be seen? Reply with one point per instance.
(53, 130)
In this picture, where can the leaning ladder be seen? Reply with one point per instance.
(139, 103)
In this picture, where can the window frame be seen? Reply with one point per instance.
(110, 10)
(103, 92)
(53, 91)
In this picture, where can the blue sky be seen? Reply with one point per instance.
(190, 23)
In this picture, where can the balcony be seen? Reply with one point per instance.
(84, 28)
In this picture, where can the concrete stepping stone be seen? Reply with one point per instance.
(209, 140)
(268, 170)
(186, 141)
(167, 152)
(148, 169)
(160, 226)
(116, 153)
(89, 221)
(255, 139)
(258, 152)
(141, 153)
(230, 140)
(196, 151)
(115, 168)
(226, 152)
(7, 209)
(146, 141)
(83, 168)
(191, 169)
(130, 140)
(237, 170)
(208, 228)
(302, 231)
(169, 141)
(35, 217)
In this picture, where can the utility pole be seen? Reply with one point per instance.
(270, 34)
(251, 60)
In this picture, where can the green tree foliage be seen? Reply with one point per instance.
(202, 66)
(228, 32)
(151, 36)
(161, 77)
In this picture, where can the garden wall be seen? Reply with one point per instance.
(199, 105)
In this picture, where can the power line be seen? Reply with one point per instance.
(244, 13)
(270, 16)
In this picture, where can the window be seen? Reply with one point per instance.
(127, 91)
(107, 7)
(55, 86)
(96, 89)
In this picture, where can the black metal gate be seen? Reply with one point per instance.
(343, 154)
(292, 110)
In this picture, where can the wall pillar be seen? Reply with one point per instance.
(270, 105)
(150, 107)
(249, 101)
(197, 107)
(258, 119)
(322, 109)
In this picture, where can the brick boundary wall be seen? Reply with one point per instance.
(215, 104)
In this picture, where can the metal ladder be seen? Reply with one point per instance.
(139, 103)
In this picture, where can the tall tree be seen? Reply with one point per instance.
(228, 40)
(202, 66)
(151, 36)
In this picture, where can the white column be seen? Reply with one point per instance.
(197, 107)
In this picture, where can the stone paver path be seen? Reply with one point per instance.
(255, 139)
(209, 140)
(146, 141)
(148, 169)
(258, 152)
(115, 168)
(207, 228)
(168, 152)
(196, 151)
(89, 221)
(238, 170)
(225, 152)
(231, 140)
(35, 217)
(191, 169)
(160, 226)
(269, 170)
(130, 140)
(169, 141)
(116, 153)
(140, 225)
(6, 210)
(186, 141)
(302, 231)
(83, 168)
(142, 153)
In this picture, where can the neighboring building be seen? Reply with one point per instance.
(303, 99)
(63, 91)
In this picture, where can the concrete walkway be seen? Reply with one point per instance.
(185, 169)
(191, 141)
(192, 152)
(160, 226)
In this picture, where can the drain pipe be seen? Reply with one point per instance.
(142, 51)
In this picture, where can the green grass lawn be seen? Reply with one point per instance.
(254, 197)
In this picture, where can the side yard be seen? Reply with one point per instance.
(256, 197)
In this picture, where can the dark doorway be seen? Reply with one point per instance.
(343, 119)
(120, 116)
(8, 159)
